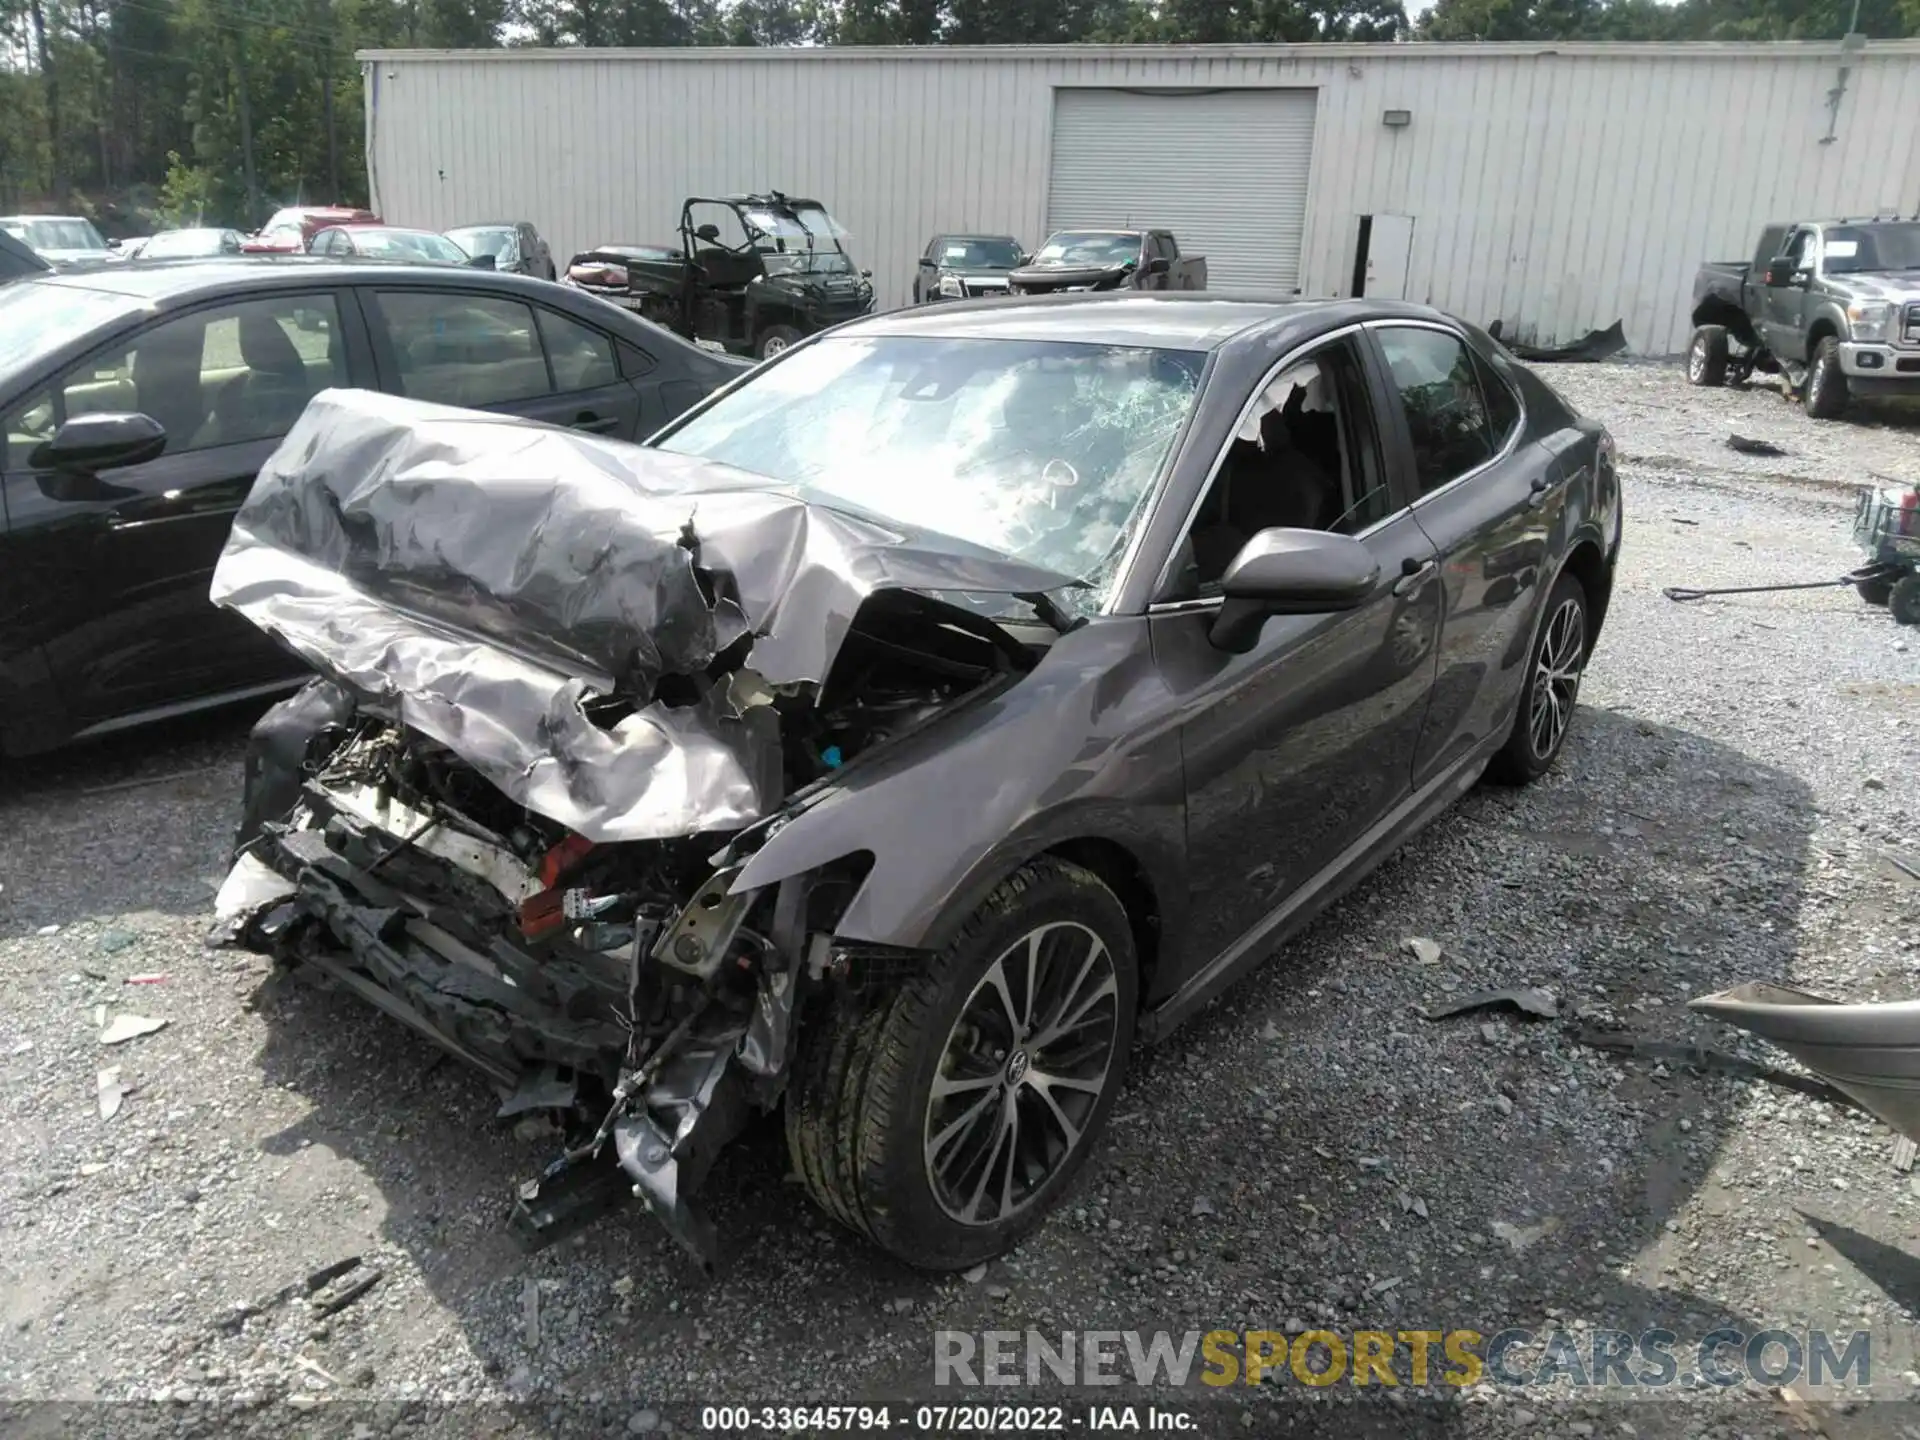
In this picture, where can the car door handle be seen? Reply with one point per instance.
(599, 425)
(1413, 574)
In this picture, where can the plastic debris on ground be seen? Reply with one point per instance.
(129, 1027)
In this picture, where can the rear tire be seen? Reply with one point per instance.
(1551, 690)
(1874, 592)
(882, 1125)
(1825, 397)
(1904, 601)
(1707, 356)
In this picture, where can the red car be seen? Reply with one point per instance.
(289, 231)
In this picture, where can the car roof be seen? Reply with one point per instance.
(488, 225)
(168, 281)
(1167, 320)
(969, 235)
(363, 228)
(16, 219)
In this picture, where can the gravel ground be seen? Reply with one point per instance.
(1309, 1153)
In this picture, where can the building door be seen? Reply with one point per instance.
(1389, 242)
(1225, 172)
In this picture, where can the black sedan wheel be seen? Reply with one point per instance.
(1552, 687)
(945, 1122)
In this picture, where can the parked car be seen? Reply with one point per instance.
(198, 244)
(603, 271)
(391, 242)
(754, 274)
(288, 232)
(906, 806)
(139, 405)
(960, 267)
(59, 239)
(1110, 260)
(517, 247)
(1833, 303)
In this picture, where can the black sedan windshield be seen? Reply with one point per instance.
(1043, 450)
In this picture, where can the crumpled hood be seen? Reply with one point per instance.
(478, 577)
(1058, 275)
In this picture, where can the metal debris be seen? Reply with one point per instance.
(147, 979)
(340, 1296)
(1528, 1000)
(129, 1027)
(543, 1091)
(530, 1312)
(1904, 1150)
(1708, 1057)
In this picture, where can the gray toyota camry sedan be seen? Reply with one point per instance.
(903, 732)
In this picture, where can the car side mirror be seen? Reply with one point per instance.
(482, 262)
(866, 274)
(1779, 271)
(87, 444)
(1159, 265)
(1291, 572)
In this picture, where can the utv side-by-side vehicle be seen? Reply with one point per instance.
(754, 274)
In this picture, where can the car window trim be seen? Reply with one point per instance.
(1500, 456)
(1273, 372)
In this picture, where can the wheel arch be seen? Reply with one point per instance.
(1825, 324)
(1587, 563)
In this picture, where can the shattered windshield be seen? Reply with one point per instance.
(1860, 249)
(1101, 247)
(500, 241)
(1043, 450)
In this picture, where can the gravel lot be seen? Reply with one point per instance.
(1739, 769)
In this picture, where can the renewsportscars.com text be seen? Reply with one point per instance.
(1416, 1358)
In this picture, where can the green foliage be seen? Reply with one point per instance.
(167, 111)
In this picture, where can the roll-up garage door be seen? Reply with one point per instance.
(1225, 171)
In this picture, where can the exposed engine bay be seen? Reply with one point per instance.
(619, 983)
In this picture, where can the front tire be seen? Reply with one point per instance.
(774, 339)
(1707, 356)
(1826, 392)
(1554, 669)
(946, 1121)
(1903, 602)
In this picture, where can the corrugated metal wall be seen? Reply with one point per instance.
(1558, 188)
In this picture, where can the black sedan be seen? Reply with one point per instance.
(962, 694)
(139, 402)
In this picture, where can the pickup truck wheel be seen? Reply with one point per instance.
(1825, 396)
(944, 1122)
(774, 339)
(1707, 356)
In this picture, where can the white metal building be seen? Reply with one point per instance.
(1557, 187)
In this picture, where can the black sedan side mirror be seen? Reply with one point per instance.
(483, 262)
(1291, 572)
(87, 444)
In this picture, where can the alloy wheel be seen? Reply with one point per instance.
(1021, 1073)
(1697, 360)
(1556, 677)
(772, 346)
